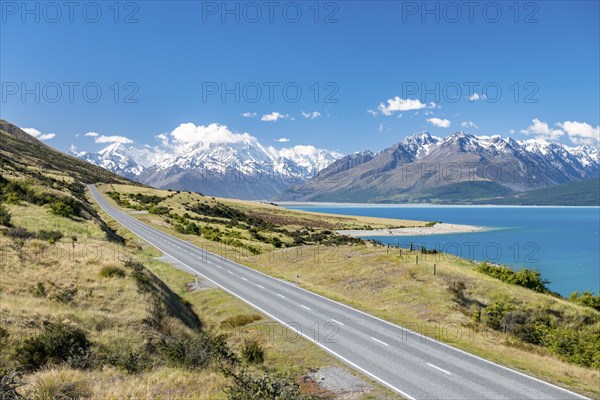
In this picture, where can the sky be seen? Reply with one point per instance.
(339, 75)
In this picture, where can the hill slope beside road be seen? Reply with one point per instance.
(413, 368)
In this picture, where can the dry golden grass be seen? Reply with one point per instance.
(111, 311)
(280, 216)
(396, 289)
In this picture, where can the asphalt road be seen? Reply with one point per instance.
(413, 365)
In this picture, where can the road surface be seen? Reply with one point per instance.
(412, 365)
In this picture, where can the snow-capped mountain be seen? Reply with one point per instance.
(421, 164)
(128, 162)
(244, 169)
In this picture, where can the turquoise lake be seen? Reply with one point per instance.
(562, 243)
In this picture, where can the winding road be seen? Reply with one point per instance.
(410, 364)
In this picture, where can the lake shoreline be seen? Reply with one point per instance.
(440, 228)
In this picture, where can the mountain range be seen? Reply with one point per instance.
(460, 168)
(245, 169)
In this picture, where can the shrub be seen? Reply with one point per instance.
(112, 271)
(56, 344)
(493, 315)
(586, 299)
(530, 279)
(253, 353)
(10, 381)
(239, 320)
(267, 387)
(49, 236)
(20, 233)
(39, 290)
(198, 351)
(63, 209)
(66, 295)
(5, 216)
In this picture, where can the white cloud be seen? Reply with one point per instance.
(274, 116)
(113, 139)
(380, 127)
(282, 140)
(440, 123)
(476, 96)
(581, 132)
(311, 115)
(39, 135)
(248, 115)
(372, 112)
(188, 134)
(542, 129)
(92, 134)
(469, 124)
(398, 104)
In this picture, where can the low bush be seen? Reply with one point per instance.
(527, 278)
(64, 208)
(267, 387)
(5, 217)
(252, 352)
(239, 320)
(112, 271)
(10, 381)
(586, 299)
(196, 351)
(65, 295)
(49, 236)
(56, 344)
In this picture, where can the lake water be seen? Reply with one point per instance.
(562, 243)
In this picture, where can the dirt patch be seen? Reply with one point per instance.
(340, 382)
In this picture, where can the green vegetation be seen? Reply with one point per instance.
(527, 278)
(253, 353)
(239, 320)
(57, 343)
(586, 299)
(4, 216)
(112, 271)
(267, 387)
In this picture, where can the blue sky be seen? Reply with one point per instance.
(348, 59)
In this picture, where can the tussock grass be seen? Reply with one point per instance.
(397, 289)
(112, 313)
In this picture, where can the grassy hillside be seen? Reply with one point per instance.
(87, 311)
(22, 154)
(512, 320)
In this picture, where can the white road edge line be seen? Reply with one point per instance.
(440, 369)
(343, 305)
(377, 340)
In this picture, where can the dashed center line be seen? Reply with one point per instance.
(336, 321)
(260, 286)
(440, 369)
(244, 279)
(230, 272)
(379, 341)
(303, 306)
(280, 295)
